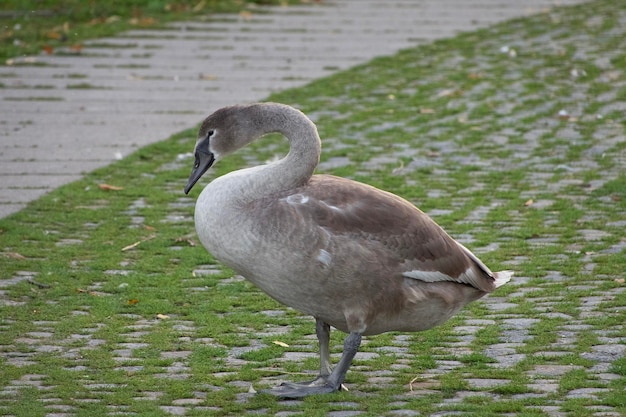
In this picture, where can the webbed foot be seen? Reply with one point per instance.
(325, 383)
(320, 385)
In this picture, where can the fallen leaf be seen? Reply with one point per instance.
(426, 111)
(144, 21)
(109, 187)
(187, 240)
(529, 203)
(54, 35)
(82, 291)
(15, 255)
(620, 280)
(207, 77)
(198, 7)
(398, 168)
(48, 49)
(162, 316)
(279, 343)
(133, 301)
(448, 92)
(245, 15)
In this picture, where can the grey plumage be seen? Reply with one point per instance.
(355, 257)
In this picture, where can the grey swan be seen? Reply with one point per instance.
(352, 256)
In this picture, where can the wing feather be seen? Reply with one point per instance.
(412, 241)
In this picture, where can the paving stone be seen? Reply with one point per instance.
(481, 383)
(404, 413)
(174, 410)
(552, 370)
(590, 393)
(546, 386)
(181, 354)
(344, 413)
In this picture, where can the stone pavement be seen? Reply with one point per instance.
(64, 115)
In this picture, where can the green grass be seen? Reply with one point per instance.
(61, 26)
(95, 330)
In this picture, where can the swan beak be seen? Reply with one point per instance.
(204, 160)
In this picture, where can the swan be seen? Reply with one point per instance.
(354, 257)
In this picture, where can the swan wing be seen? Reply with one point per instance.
(395, 230)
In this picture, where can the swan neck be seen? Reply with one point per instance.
(298, 165)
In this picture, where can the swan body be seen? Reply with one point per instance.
(357, 258)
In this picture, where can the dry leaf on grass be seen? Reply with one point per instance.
(529, 203)
(187, 240)
(198, 7)
(279, 343)
(162, 316)
(109, 187)
(92, 293)
(143, 21)
(450, 92)
(54, 35)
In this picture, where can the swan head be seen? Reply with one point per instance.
(204, 159)
(223, 132)
(236, 128)
(233, 127)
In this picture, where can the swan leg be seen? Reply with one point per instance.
(322, 329)
(326, 382)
